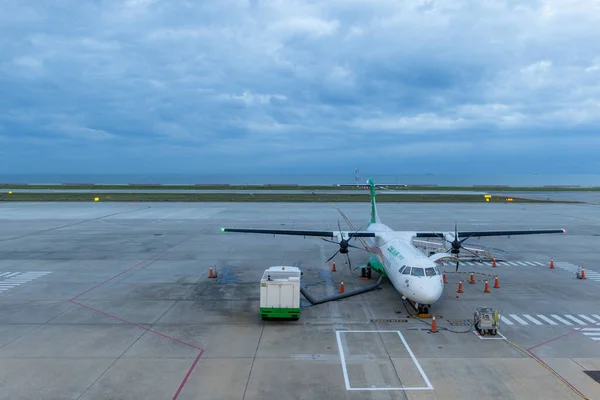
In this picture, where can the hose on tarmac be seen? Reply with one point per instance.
(334, 297)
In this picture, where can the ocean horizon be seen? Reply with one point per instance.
(583, 180)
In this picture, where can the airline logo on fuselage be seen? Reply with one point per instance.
(395, 252)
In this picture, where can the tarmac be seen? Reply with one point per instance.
(114, 301)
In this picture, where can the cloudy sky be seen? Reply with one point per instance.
(397, 86)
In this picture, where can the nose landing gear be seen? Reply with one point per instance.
(421, 309)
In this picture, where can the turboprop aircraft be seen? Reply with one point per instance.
(414, 275)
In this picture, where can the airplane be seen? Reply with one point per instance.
(414, 275)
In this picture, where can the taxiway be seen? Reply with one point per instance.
(113, 300)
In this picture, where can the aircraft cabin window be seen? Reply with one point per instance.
(406, 271)
(429, 272)
(417, 271)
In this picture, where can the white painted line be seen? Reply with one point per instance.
(564, 321)
(595, 338)
(415, 361)
(596, 316)
(519, 320)
(590, 329)
(4, 273)
(499, 336)
(586, 318)
(529, 263)
(345, 371)
(13, 274)
(535, 321)
(548, 320)
(343, 360)
(506, 320)
(580, 322)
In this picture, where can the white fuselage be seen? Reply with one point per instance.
(423, 282)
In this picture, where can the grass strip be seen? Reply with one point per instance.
(259, 198)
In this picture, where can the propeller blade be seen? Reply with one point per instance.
(456, 266)
(462, 240)
(331, 258)
(349, 263)
(352, 227)
(471, 252)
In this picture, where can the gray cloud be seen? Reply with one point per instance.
(338, 84)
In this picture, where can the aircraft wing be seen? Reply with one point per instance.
(347, 234)
(465, 234)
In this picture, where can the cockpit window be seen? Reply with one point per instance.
(406, 271)
(437, 271)
(401, 268)
(429, 272)
(417, 271)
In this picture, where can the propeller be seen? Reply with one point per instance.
(344, 244)
(456, 245)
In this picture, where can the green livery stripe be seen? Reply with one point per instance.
(376, 265)
(372, 190)
(279, 312)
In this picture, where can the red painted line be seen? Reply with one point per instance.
(180, 388)
(137, 326)
(113, 277)
(558, 375)
(561, 336)
(152, 258)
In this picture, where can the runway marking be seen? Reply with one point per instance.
(564, 321)
(580, 322)
(586, 318)
(539, 319)
(535, 321)
(412, 356)
(9, 280)
(592, 333)
(548, 320)
(519, 320)
(589, 274)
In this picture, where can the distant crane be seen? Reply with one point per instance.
(356, 178)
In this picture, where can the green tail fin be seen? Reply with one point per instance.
(374, 216)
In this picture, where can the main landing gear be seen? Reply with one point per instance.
(365, 273)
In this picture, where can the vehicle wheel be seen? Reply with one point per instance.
(493, 332)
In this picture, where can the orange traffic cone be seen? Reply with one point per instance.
(445, 281)
(494, 263)
(472, 281)
(552, 263)
(342, 287)
(210, 274)
(582, 273)
(333, 267)
(487, 288)
(459, 287)
(496, 285)
(433, 325)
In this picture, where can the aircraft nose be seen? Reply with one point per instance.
(433, 293)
